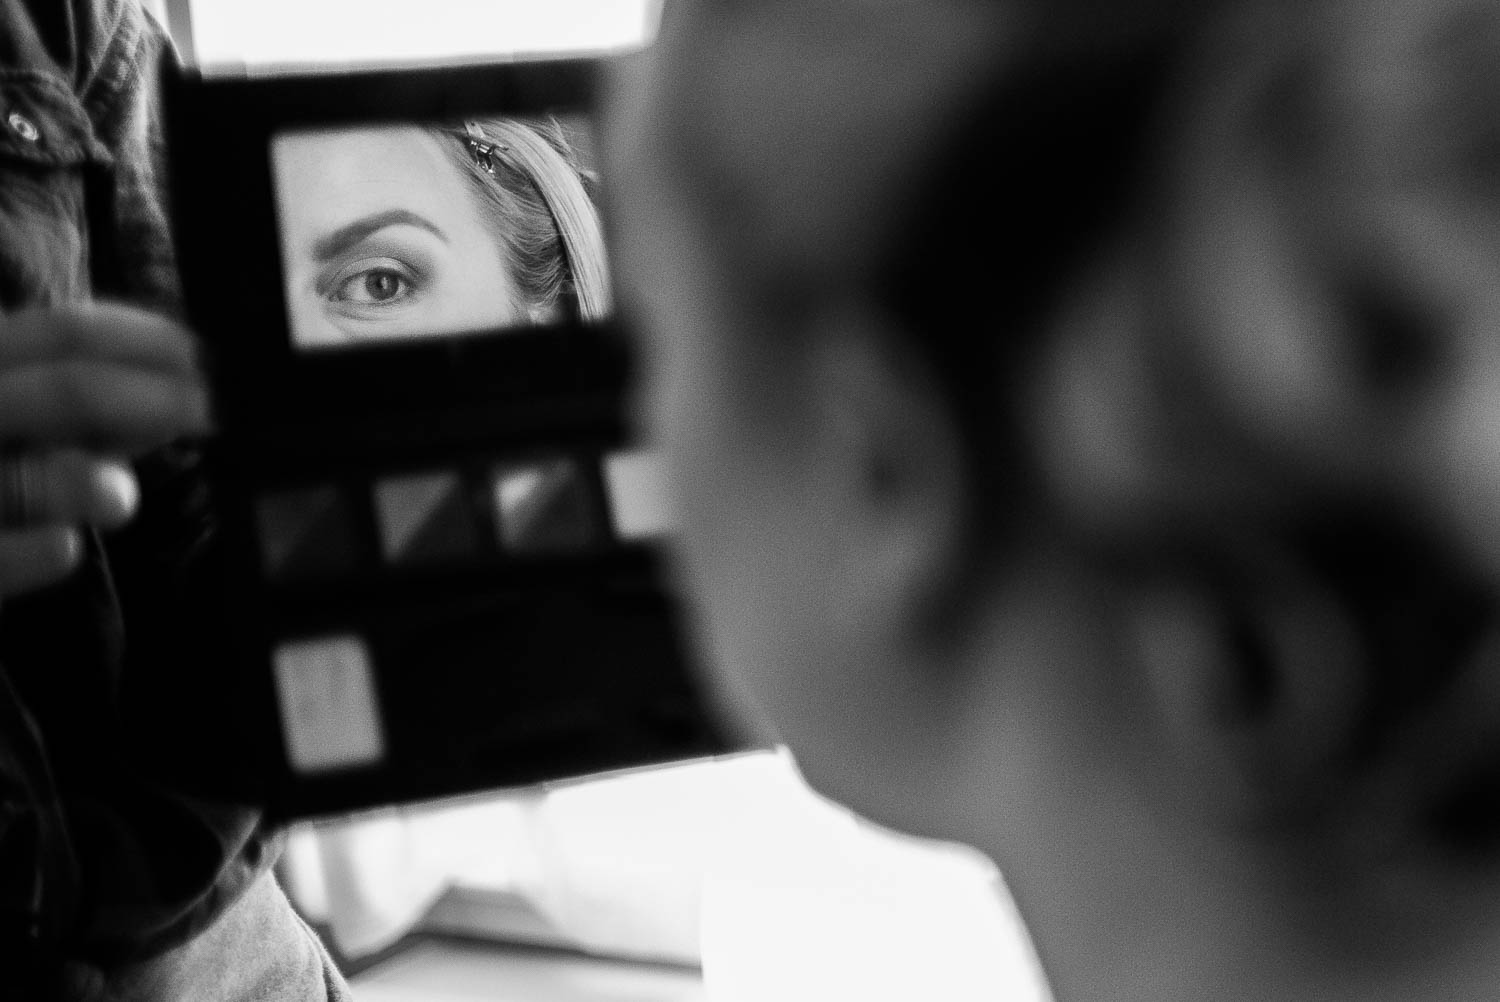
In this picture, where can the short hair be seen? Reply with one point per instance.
(538, 199)
(1063, 159)
(1051, 165)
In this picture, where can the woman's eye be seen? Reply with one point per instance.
(374, 286)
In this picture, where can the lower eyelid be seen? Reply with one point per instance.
(413, 289)
(329, 287)
(371, 312)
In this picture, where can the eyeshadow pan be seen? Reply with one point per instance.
(426, 518)
(330, 717)
(306, 532)
(545, 506)
(638, 495)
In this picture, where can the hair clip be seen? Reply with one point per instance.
(483, 151)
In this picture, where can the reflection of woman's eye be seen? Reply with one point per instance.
(373, 286)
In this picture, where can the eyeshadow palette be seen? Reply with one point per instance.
(436, 563)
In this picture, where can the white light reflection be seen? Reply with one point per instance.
(262, 36)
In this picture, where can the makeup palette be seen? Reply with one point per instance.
(437, 561)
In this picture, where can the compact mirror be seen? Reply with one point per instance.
(437, 551)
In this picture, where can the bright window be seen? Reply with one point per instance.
(266, 35)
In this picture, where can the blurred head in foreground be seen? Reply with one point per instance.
(1086, 426)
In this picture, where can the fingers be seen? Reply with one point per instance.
(34, 558)
(100, 332)
(44, 499)
(104, 375)
(68, 486)
(100, 403)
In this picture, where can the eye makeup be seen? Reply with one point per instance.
(461, 515)
(426, 518)
(371, 284)
(637, 484)
(455, 520)
(380, 286)
(306, 533)
(330, 716)
(544, 506)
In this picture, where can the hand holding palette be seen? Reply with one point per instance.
(435, 540)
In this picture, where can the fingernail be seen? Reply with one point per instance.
(119, 491)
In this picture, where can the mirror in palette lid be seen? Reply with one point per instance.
(400, 232)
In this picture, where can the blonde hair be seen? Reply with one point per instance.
(536, 195)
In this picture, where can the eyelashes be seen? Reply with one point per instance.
(376, 284)
(373, 289)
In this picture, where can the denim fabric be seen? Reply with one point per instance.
(112, 884)
(257, 952)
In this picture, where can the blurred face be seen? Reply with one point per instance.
(756, 195)
(384, 240)
(1306, 494)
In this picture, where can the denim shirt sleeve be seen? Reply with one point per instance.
(46, 149)
(141, 879)
(131, 256)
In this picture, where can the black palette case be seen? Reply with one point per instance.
(439, 556)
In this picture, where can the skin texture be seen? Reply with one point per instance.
(85, 389)
(423, 262)
(1218, 445)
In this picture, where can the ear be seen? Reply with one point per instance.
(1256, 687)
(890, 470)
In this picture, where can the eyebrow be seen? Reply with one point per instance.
(330, 246)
